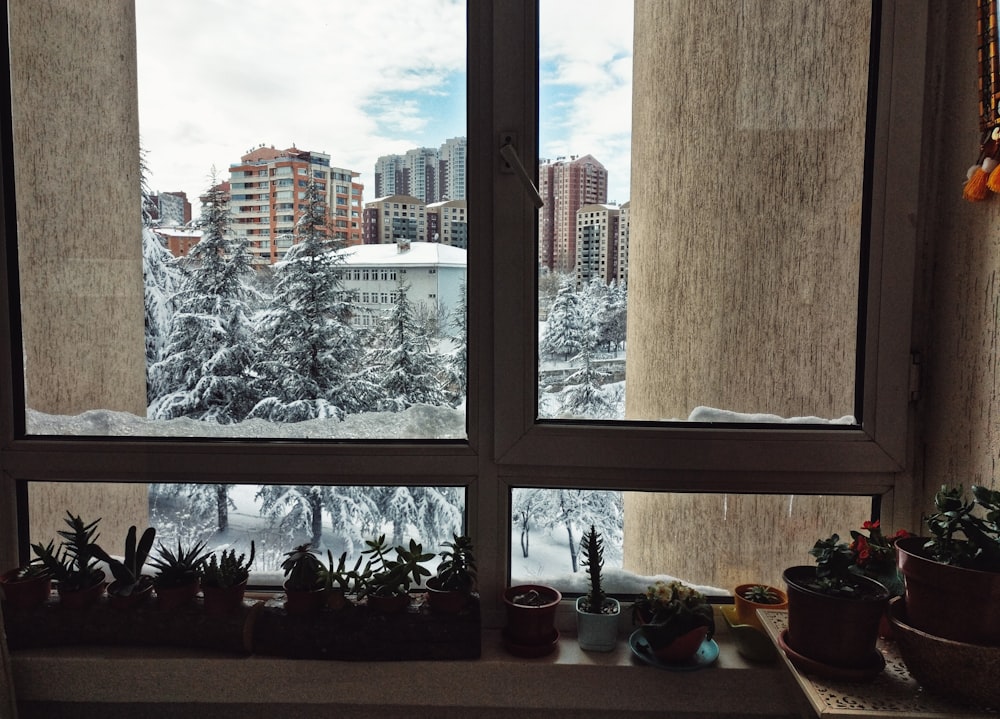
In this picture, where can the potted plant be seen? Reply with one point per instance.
(224, 579)
(388, 588)
(596, 613)
(341, 581)
(674, 619)
(305, 580)
(531, 611)
(74, 566)
(450, 589)
(178, 579)
(131, 587)
(748, 598)
(834, 611)
(952, 578)
(26, 587)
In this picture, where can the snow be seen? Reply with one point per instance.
(430, 254)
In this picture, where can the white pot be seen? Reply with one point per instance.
(597, 632)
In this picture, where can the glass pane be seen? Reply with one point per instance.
(300, 268)
(714, 541)
(707, 185)
(275, 518)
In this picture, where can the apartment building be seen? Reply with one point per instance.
(396, 217)
(430, 174)
(169, 209)
(566, 185)
(448, 223)
(268, 193)
(179, 240)
(598, 234)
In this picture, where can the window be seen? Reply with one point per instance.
(710, 459)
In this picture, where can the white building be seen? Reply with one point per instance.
(433, 274)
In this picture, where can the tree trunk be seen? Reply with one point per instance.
(572, 545)
(222, 506)
(316, 508)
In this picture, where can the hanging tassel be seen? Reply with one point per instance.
(975, 189)
(994, 182)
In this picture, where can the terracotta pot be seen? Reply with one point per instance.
(683, 647)
(389, 604)
(224, 600)
(336, 599)
(139, 595)
(23, 594)
(534, 624)
(82, 598)
(445, 601)
(171, 598)
(304, 601)
(597, 632)
(949, 602)
(835, 631)
(746, 611)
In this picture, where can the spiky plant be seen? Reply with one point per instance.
(592, 553)
(761, 594)
(128, 572)
(180, 568)
(226, 569)
(303, 569)
(74, 564)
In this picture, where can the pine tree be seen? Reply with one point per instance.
(205, 372)
(458, 361)
(309, 366)
(566, 328)
(299, 508)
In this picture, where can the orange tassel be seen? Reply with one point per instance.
(994, 182)
(975, 188)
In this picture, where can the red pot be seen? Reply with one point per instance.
(683, 647)
(304, 601)
(531, 624)
(140, 594)
(171, 598)
(82, 598)
(23, 594)
(446, 601)
(224, 600)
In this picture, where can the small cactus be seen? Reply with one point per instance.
(592, 552)
(226, 569)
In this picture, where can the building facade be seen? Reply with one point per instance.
(433, 175)
(268, 195)
(170, 209)
(392, 218)
(565, 187)
(598, 234)
(448, 223)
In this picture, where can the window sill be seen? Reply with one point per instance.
(127, 681)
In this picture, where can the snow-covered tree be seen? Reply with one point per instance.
(570, 509)
(309, 363)
(205, 370)
(210, 503)
(353, 511)
(566, 329)
(583, 395)
(457, 365)
(410, 371)
(430, 515)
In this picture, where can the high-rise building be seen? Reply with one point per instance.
(268, 195)
(597, 238)
(170, 209)
(393, 218)
(425, 173)
(448, 223)
(565, 187)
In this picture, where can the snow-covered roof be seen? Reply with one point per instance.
(427, 254)
(178, 231)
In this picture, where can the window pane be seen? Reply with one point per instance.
(275, 518)
(707, 185)
(233, 310)
(715, 541)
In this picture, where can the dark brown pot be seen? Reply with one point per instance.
(835, 631)
(390, 604)
(21, 594)
(171, 598)
(949, 602)
(304, 601)
(531, 625)
(446, 601)
(140, 595)
(82, 598)
(224, 600)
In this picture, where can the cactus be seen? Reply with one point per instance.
(74, 564)
(226, 569)
(592, 552)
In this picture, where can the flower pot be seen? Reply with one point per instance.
(597, 632)
(22, 594)
(82, 598)
(746, 610)
(171, 598)
(949, 602)
(336, 599)
(388, 604)
(445, 601)
(834, 631)
(138, 596)
(220, 601)
(680, 648)
(304, 601)
(531, 611)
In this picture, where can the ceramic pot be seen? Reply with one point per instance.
(683, 647)
(954, 603)
(445, 601)
(389, 604)
(304, 601)
(138, 596)
(531, 624)
(834, 631)
(23, 594)
(597, 632)
(336, 599)
(171, 598)
(220, 601)
(82, 598)
(746, 610)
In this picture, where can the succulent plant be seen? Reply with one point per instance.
(761, 594)
(180, 568)
(592, 554)
(394, 576)
(457, 570)
(74, 564)
(128, 571)
(304, 571)
(225, 569)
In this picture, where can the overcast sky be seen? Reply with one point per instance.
(359, 80)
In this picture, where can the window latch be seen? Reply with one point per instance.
(513, 164)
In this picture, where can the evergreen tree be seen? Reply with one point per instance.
(309, 365)
(299, 508)
(430, 515)
(584, 396)
(566, 328)
(458, 361)
(205, 371)
(208, 503)
(571, 509)
(410, 371)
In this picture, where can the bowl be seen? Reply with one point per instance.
(953, 670)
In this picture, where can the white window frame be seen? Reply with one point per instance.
(506, 445)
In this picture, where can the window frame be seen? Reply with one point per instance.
(507, 446)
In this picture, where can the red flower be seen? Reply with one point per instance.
(871, 525)
(862, 549)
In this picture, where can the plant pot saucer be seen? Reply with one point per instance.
(530, 651)
(872, 667)
(706, 655)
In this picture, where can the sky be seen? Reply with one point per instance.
(218, 78)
